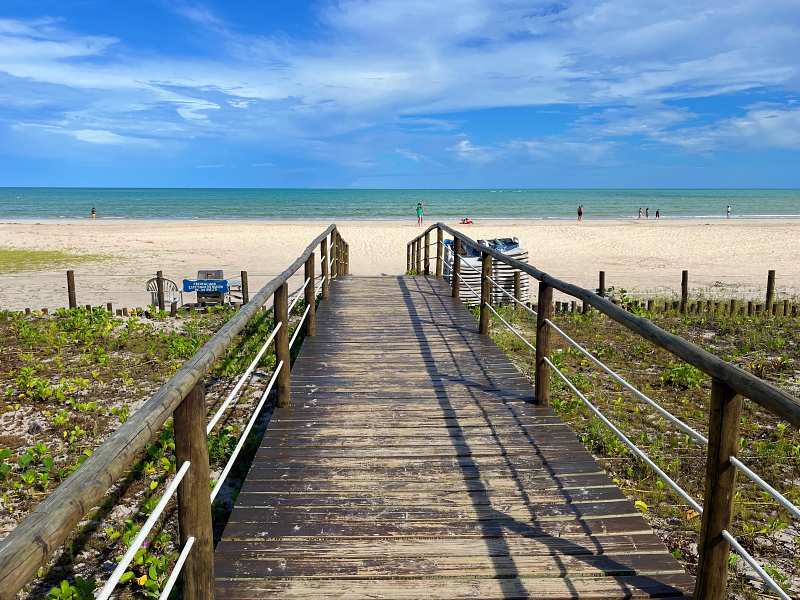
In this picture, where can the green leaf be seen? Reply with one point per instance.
(126, 577)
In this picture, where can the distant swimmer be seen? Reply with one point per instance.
(728, 212)
(94, 213)
(580, 213)
(420, 213)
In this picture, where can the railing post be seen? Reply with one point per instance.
(334, 272)
(311, 297)
(455, 270)
(245, 288)
(439, 252)
(323, 250)
(408, 257)
(160, 290)
(770, 289)
(346, 258)
(601, 284)
(110, 307)
(413, 266)
(723, 441)
(419, 255)
(194, 501)
(684, 291)
(486, 292)
(427, 253)
(281, 310)
(71, 298)
(544, 310)
(517, 288)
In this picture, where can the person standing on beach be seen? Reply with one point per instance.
(658, 214)
(420, 213)
(647, 213)
(580, 213)
(94, 213)
(640, 212)
(728, 212)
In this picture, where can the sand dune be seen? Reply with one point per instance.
(645, 256)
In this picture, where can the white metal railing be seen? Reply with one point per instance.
(299, 326)
(106, 591)
(692, 433)
(297, 294)
(245, 376)
(176, 569)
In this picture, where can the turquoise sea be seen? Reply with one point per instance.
(152, 203)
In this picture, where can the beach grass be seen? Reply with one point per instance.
(14, 260)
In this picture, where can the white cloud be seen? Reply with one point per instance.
(466, 150)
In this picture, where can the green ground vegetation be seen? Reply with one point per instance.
(767, 347)
(70, 379)
(13, 260)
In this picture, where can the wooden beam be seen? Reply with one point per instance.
(544, 310)
(486, 292)
(281, 310)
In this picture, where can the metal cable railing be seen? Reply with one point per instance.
(694, 435)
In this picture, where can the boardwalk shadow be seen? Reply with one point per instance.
(423, 301)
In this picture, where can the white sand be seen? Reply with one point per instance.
(645, 256)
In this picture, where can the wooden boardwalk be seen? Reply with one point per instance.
(412, 465)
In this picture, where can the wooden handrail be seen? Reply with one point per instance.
(45, 529)
(767, 395)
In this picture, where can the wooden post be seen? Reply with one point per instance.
(684, 290)
(419, 256)
(413, 257)
(408, 257)
(544, 310)
(770, 288)
(486, 292)
(439, 252)
(333, 254)
(323, 250)
(427, 253)
(160, 289)
(455, 272)
(651, 305)
(173, 309)
(311, 298)
(517, 288)
(281, 312)
(125, 311)
(245, 288)
(45, 311)
(785, 308)
(732, 307)
(194, 502)
(723, 441)
(73, 302)
(346, 258)
(110, 307)
(601, 288)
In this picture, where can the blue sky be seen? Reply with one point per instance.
(410, 93)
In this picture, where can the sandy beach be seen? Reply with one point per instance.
(726, 257)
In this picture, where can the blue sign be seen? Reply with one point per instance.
(206, 286)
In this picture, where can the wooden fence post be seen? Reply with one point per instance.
(160, 290)
(486, 292)
(194, 501)
(323, 245)
(71, 298)
(413, 266)
(419, 256)
(245, 288)
(439, 252)
(311, 297)
(173, 309)
(346, 258)
(455, 271)
(333, 254)
(281, 313)
(770, 288)
(723, 441)
(684, 290)
(601, 288)
(110, 307)
(517, 288)
(427, 253)
(544, 310)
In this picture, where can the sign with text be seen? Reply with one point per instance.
(206, 286)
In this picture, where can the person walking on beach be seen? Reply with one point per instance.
(580, 213)
(728, 212)
(94, 213)
(647, 213)
(658, 214)
(640, 212)
(420, 213)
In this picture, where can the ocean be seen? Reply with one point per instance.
(217, 203)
